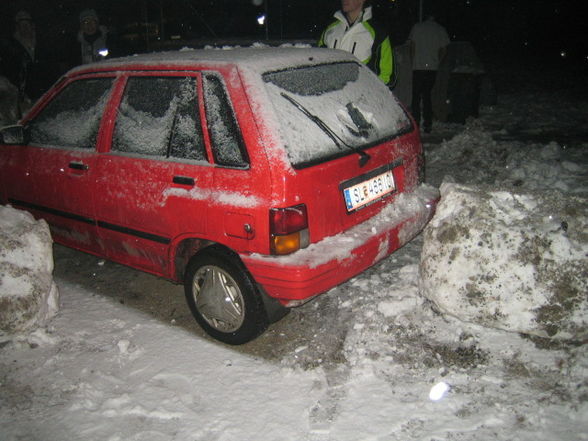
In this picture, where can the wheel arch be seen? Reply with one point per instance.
(183, 252)
(188, 248)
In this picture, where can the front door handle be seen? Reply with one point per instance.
(78, 166)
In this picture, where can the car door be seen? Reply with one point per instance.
(241, 180)
(16, 180)
(153, 184)
(61, 161)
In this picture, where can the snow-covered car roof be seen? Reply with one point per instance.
(258, 59)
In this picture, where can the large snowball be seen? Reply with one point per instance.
(28, 294)
(518, 262)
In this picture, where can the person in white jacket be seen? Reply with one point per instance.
(428, 40)
(355, 31)
(92, 37)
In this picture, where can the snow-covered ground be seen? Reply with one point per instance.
(370, 360)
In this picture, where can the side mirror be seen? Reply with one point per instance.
(13, 135)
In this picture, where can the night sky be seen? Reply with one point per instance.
(548, 31)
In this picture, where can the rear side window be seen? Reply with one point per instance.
(72, 118)
(158, 116)
(225, 136)
(330, 110)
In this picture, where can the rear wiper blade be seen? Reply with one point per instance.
(363, 156)
(359, 120)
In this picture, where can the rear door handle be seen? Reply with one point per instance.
(78, 166)
(184, 180)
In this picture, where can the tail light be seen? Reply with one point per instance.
(289, 229)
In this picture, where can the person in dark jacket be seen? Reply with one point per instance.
(355, 31)
(19, 61)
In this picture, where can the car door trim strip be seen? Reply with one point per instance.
(65, 214)
(132, 232)
(87, 220)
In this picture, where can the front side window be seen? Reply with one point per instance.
(72, 118)
(225, 136)
(331, 110)
(158, 116)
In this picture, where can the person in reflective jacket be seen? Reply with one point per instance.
(355, 31)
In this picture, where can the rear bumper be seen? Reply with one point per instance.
(333, 260)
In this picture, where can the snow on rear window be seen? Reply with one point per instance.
(72, 118)
(328, 109)
(315, 80)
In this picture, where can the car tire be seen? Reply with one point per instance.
(223, 298)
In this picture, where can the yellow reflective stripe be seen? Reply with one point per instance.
(386, 61)
(370, 29)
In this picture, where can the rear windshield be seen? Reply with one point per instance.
(329, 110)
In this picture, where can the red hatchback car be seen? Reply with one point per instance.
(258, 177)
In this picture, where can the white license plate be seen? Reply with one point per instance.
(358, 195)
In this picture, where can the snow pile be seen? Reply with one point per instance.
(474, 156)
(28, 295)
(549, 168)
(507, 260)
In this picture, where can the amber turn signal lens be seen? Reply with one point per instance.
(286, 244)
